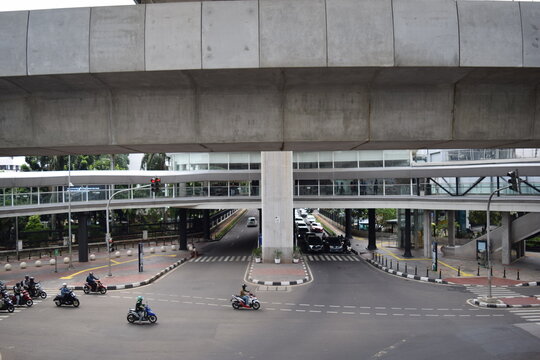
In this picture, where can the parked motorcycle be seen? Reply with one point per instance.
(238, 302)
(70, 299)
(132, 315)
(37, 292)
(99, 288)
(24, 299)
(6, 304)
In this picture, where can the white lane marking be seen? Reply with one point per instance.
(300, 310)
(349, 307)
(380, 307)
(285, 309)
(319, 305)
(448, 315)
(175, 301)
(366, 307)
(443, 309)
(315, 311)
(334, 306)
(482, 315)
(199, 303)
(304, 305)
(466, 315)
(187, 302)
(381, 314)
(415, 315)
(412, 309)
(348, 312)
(427, 309)
(394, 308)
(432, 315)
(364, 313)
(290, 304)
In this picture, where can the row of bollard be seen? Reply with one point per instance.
(382, 260)
(92, 257)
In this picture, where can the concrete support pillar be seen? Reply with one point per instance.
(427, 233)
(407, 230)
(82, 236)
(372, 230)
(348, 224)
(277, 204)
(206, 224)
(182, 229)
(260, 221)
(506, 254)
(451, 218)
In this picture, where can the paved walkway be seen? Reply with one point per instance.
(124, 269)
(272, 274)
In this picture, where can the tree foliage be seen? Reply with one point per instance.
(34, 224)
(154, 161)
(479, 218)
(78, 162)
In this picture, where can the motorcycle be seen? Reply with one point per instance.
(71, 299)
(37, 292)
(99, 288)
(24, 299)
(238, 302)
(7, 305)
(132, 315)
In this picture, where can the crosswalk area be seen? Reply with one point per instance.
(232, 258)
(5, 315)
(528, 314)
(332, 257)
(501, 292)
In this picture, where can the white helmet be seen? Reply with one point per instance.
(64, 284)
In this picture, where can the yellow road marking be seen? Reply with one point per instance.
(463, 273)
(69, 277)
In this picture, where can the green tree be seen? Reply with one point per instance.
(479, 218)
(383, 215)
(154, 161)
(34, 224)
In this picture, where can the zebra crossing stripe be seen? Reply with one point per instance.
(310, 258)
(226, 258)
(244, 258)
(221, 258)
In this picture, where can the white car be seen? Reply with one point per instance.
(251, 221)
(311, 218)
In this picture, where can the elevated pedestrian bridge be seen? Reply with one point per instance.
(416, 187)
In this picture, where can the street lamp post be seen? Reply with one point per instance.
(108, 234)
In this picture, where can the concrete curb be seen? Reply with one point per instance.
(279, 283)
(405, 275)
(488, 305)
(144, 282)
(532, 283)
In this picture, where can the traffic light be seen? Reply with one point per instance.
(156, 184)
(514, 181)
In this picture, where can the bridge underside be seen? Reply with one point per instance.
(299, 109)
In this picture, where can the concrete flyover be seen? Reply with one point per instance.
(270, 75)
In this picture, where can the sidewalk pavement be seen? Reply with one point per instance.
(523, 272)
(124, 269)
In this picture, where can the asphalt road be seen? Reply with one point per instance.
(350, 311)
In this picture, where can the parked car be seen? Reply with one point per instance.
(316, 227)
(334, 244)
(251, 221)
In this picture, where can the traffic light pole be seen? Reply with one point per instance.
(108, 234)
(488, 247)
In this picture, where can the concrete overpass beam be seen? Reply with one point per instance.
(277, 204)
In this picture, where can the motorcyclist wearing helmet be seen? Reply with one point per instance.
(31, 286)
(65, 292)
(244, 294)
(91, 280)
(139, 307)
(17, 291)
(26, 281)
